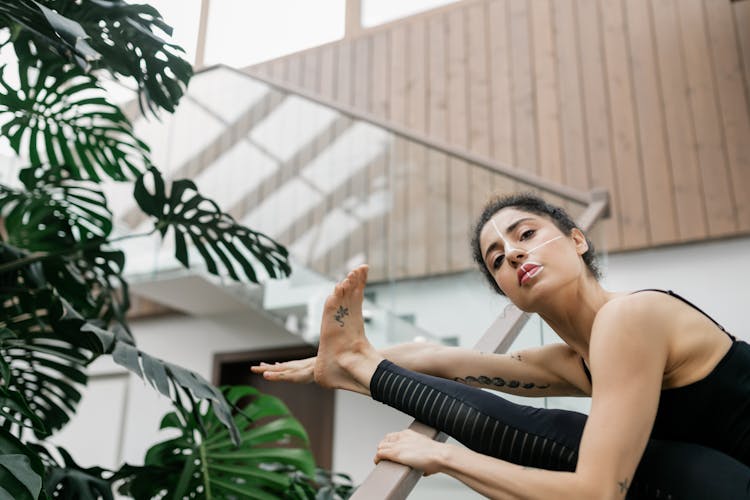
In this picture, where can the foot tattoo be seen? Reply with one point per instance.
(339, 316)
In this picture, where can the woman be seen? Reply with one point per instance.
(670, 413)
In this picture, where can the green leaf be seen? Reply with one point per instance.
(61, 36)
(265, 465)
(225, 246)
(46, 360)
(92, 281)
(70, 481)
(21, 470)
(53, 109)
(53, 212)
(125, 39)
(14, 407)
(19, 467)
(70, 31)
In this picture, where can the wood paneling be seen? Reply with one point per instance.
(712, 159)
(570, 99)
(733, 106)
(688, 194)
(656, 168)
(478, 99)
(459, 216)
(379, 188)
(597, 113)
(741, 14)
(648, 99)
(437, 163)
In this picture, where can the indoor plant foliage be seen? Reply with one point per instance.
(272, 460)
(63, 298)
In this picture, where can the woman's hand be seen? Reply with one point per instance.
(299, 371)
(412, 449)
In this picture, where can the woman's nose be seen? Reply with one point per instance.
(515, 254)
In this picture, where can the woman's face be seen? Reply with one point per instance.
(529, 256)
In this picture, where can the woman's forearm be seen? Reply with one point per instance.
(422, 357)
(519, 373)
(499, 479)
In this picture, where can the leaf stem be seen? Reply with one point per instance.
(204, 470)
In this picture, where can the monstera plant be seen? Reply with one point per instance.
(272, 460)
(63, 297)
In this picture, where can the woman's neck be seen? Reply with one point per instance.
(572, 312)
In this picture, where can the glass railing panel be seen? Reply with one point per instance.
(245, 166)
(226, 93)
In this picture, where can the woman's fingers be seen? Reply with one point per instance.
(410, 448)
(298, 370)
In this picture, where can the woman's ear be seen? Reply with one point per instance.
(582, 245)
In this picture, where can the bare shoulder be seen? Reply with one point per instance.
(647, 309)
(639, 324)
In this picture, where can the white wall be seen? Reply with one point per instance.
(715, 276)
(119, 415)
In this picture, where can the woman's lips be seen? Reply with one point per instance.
(528, 271)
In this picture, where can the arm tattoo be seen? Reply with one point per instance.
(516, 356)
(339, 316)
(624, 485)
(500, 382)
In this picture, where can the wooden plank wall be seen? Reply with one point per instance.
(648, 99)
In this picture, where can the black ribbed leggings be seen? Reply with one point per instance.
(549, 439)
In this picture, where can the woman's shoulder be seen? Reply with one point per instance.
(647, 316)
(635, 306)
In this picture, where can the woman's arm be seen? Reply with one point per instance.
(628, 351)
(551, 370)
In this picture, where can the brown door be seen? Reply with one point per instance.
(311, 404)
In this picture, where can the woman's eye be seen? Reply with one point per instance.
(498, 261)
(527, 234)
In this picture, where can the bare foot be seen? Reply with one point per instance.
(346, 360)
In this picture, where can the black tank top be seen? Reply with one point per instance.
(713, 411)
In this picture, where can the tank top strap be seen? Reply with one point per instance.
(586, 371)
(686, 301)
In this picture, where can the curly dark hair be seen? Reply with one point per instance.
(533, 204)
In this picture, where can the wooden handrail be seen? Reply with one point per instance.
(392, 481)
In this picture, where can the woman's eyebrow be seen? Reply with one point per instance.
(490, 248)
(510, 228)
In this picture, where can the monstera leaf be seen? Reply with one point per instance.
(223, 244)
(59, 116)
(272, 449)
(172, 380)
(21, 470)
(48, 345)
(129, 38)
(123, 38)
(53, 212)
(70, 481)
(91, 280)
(68, 220)
(44, 360)
(65, 37)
